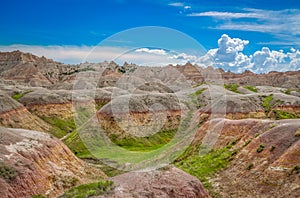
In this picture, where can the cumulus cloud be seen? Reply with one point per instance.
(229, 56)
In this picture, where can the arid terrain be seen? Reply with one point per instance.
(239, 134)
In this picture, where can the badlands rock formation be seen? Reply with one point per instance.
(170, 182)
(35, 163)
(254, 116)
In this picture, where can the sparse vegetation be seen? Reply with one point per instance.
(232, 87)
(19, 95)
(267, 103)
(251, 88)
(247, 142)
(287, 91)
(250, 166)
(6, 172)
(260, 148)
(278, 114)
(194, 97)
(296, 169)
(297, 133)
(74, 142)
(60, 127)
(121, 70)
(204, 166)
(77, 70)
(198, 92)
(89, 190)
(108, 170)
(198, 85)
(37, 196)
(99, 105)
(272, 148)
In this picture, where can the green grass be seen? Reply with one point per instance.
(99, 105)
(287, 91)
(19, 95)
(74, 142)
(89, 190)
(7, 173)
(198, 85)
(60, 127)
(37, 196)
(284, 115)
(198, 92)
(204, 166)
(142, 144)
(194, 98)
(232, 87)
(267, 103)
(130, 150)
(251, 88)
(149, 143)
(108, 170)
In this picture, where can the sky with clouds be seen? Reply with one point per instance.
(235, 35)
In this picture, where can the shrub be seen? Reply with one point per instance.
(250, 166)
(272, 148)
(260, 148)
(6, 172)
(296, 169)
(287, 91)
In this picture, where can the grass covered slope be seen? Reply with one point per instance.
(89, 190)
(251, 157)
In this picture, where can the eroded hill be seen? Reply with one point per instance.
(244, 128)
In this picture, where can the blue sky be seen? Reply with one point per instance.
(273, 24)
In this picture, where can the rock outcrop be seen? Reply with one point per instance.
(170, 182)
(267, 157)
(15, 115)
(35, 163)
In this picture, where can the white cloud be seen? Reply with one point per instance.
(176, 4)
(187, 7)
(79, 54)
(229, 56)
(284, 24)
(223, 15)
(152, 51)
(229, 52)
